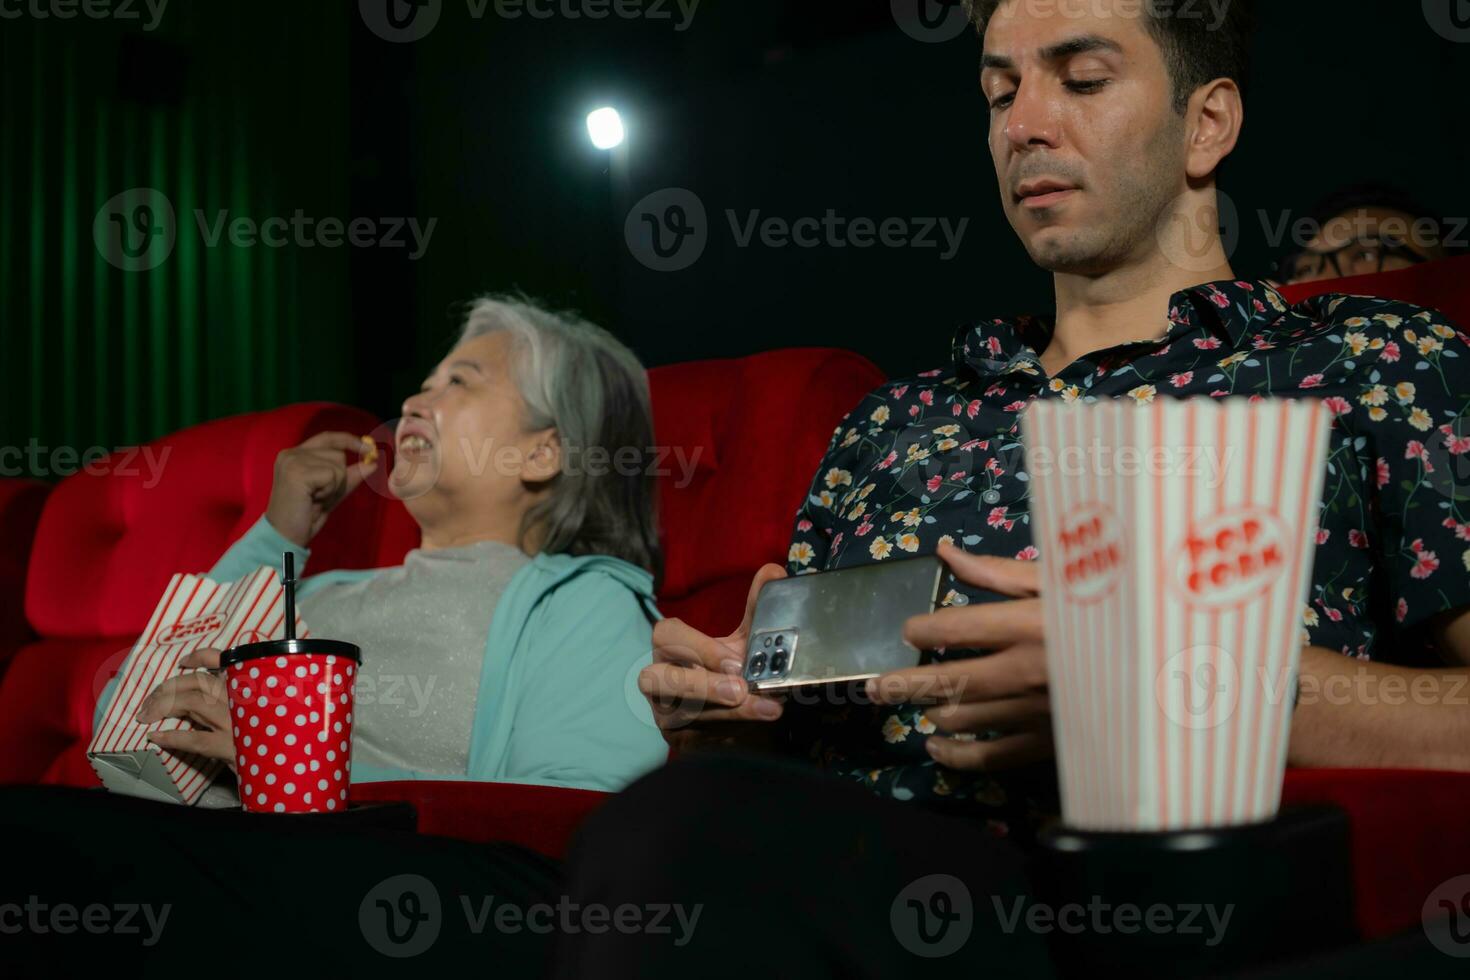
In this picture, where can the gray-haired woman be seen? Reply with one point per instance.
(505, 646)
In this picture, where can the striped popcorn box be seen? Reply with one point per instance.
(1176, 545)
(195, 613)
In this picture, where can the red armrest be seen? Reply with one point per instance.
(542, 818)
(1408, 835)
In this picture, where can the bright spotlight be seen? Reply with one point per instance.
(605, 126)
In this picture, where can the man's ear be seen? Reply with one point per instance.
(1214, 120)
(543, 462)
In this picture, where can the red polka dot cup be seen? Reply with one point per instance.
(291, 704)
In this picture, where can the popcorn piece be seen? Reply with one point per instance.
(369, 451)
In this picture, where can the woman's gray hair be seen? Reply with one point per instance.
(582, 381)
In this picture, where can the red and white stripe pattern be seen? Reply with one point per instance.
(205, 614)
(1173, 598)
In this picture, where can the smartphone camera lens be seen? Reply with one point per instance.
(780, 641)
(778, 662)
(757, 666)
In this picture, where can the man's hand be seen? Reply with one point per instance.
(201, 698)
(695, 684)
(1004, 691)
(310, 480)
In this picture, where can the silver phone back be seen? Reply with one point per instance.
(839, 626)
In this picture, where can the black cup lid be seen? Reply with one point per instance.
(285, 648)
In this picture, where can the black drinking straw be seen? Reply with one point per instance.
(289, 564)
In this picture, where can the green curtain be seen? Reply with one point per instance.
(224, 107)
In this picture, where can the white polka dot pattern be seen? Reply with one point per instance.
(299, 711)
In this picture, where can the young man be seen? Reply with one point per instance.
(1108, 123)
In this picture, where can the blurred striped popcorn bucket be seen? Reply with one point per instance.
(194, 613)
(1176, 543)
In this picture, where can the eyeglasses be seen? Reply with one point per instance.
(1360, 257)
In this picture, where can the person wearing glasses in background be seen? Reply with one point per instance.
(1367, 229)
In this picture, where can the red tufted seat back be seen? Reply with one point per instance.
(751, 432)
(20, 511)
(109, 539)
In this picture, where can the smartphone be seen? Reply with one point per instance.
(838, 626)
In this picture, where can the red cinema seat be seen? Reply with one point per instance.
(742, 440)
(108, 541)
(20, 512)
(1438, 286)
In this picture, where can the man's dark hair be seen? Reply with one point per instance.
(1197, 50)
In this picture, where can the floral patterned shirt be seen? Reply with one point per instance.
(938, 457)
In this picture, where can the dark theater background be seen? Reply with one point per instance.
(762, 108)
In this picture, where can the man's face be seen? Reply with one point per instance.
(1363, 241)
(1087, 146)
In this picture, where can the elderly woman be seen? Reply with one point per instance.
(502, 647)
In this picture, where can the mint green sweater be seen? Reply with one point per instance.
(558, 699)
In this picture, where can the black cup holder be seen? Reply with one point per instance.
(1287, 886)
